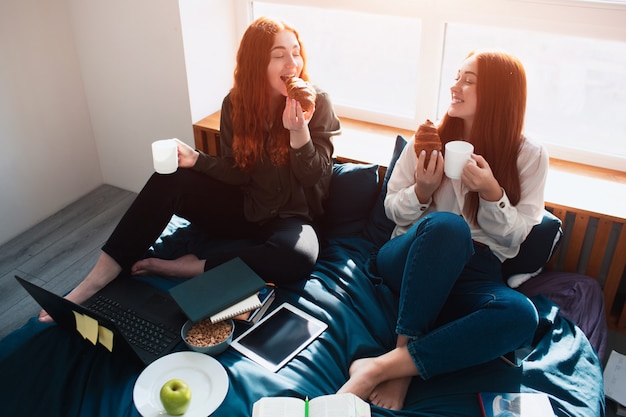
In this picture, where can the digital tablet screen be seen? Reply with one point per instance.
(279, 336)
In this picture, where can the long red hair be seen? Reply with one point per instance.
(498, 123)
(253, 111)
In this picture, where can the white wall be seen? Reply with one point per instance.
(210, 40)
(86, 86)
(48, 156)
(132, 61)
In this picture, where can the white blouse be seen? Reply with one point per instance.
(501, 226)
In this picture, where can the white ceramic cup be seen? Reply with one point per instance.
(458, 154)
(165, 156)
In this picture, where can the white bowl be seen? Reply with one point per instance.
(212, 350)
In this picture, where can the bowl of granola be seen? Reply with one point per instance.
(206, 337)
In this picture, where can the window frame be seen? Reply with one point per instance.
(584, 18)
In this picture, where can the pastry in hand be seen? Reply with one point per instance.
(427, 139)
(302, 91)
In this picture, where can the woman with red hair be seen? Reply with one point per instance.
(267, 186)
(451, 236)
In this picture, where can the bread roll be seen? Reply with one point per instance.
(302, 91)
(427, 139)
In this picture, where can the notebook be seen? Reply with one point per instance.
(247, 304)
(223, 292)
(266, 296)
(128, 317)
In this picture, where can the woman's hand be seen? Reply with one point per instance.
(297, 122)
(428, 180)
(187, 156)
(479, 178)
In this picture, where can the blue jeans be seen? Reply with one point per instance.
(454, 306)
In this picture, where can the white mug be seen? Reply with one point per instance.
(458, 154)
(165, 156)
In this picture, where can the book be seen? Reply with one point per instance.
(336, 405)
(222, 292)
(615, 378)
(266, 297)
(515, 404)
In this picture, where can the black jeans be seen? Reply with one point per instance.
(281, 250)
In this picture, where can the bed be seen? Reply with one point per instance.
(47, 371)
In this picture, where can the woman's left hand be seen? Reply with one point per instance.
(478, 177)
(297, 122)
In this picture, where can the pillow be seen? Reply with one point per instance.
(378, 227)
(353, 190)
(534, 252)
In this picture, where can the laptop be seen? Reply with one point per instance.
(128, 317)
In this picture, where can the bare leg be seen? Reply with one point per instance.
(368, 373)
(186, 266)
(104, 271)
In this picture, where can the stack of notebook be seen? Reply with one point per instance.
(223, 292)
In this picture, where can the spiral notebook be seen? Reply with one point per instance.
(220, 293)
(251, 303)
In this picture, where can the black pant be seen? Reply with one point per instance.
(284, 249)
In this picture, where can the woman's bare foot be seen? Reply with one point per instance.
(186, 266)
(44, 317)
(383, 380)
(104, 271)
(364, 377)
(391, 394)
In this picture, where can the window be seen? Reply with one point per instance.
(393, 64)
(576, 87)
(366, 74)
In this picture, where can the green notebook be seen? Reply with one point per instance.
(217, 289)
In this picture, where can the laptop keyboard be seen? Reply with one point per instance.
(149, 336)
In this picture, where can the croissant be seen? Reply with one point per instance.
(427, 139)
(302, 91)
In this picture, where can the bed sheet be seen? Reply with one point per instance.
(46, 371)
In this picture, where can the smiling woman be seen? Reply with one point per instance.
(574, 84)
(574, 65)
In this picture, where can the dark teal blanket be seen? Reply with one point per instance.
(45, 371)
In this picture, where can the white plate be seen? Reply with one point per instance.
(206, 377)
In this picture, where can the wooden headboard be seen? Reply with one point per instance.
(594, 244)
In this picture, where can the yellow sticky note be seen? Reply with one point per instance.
(91, 328)
(105, 337)
(80, 324)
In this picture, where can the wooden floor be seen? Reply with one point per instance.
(58, 252)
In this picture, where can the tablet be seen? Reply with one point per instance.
(518, 356)
(279, 336)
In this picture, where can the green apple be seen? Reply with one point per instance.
(175, 396)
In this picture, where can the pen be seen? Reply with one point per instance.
(306, 406)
